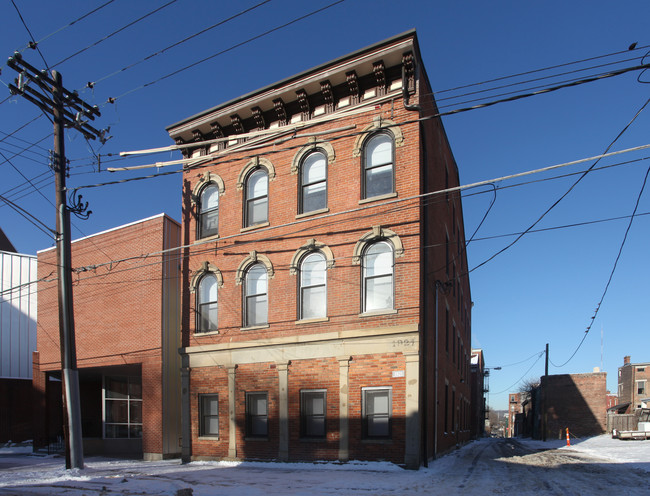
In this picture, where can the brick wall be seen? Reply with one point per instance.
(576, 401)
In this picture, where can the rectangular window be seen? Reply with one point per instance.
(257, 414)
(376, 410)
(312, 413)
(640, 387)
(209, 411)
(122, 407)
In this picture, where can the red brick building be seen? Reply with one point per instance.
(576, 402)
(326, 304)
(479, 386)
(127, 320)
(633, 381)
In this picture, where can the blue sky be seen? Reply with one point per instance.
(544, 289)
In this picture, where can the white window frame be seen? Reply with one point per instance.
(249, 199)
(250, 296)
(303, 287)
(206, 213)
(366, 278)
(210, 305)
(368, 165)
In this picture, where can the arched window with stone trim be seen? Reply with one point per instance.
(207, 308)
(378, 165)
(378, 263)
(256, 302)
(312, 293)
(208, 211)
(256, 207)
(313, 182)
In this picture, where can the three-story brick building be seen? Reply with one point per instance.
(326, 304)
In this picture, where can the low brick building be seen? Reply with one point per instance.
(126, 288)
(326, 305)
(576, 402)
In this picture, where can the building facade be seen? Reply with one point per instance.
(633, 381)
(514, 408)
(18, 306)
(326, 302)
(127, 327)
(479, 387)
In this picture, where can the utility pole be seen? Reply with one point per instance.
(50, 96)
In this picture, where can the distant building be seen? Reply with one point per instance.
(479, 388)
(514, 408)
(611, 400)
(18, 307)
(127, 320)
(633, 381)
(326, 312)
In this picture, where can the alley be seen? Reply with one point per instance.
(488, 466)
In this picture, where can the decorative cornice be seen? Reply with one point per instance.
(258, 117)
(353, 85)
(328, 95)
(280, 110)
(217, 130)
(380, 76)
(237, 123)
(408, 62)
(303, 101)
(197, 136)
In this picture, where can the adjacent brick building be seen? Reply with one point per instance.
(126, 288)
(479, 387)
(326, 303)
(576, 402)
(633, 382)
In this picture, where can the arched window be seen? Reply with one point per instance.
(206, 305)
(313, 182)
(313, 286)
(378, 166)
(256, 303)
(378, 263)
(209, 211)
(256, 209)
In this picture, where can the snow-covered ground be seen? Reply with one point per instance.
(488, 466)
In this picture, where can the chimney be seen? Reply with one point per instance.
(626, 360)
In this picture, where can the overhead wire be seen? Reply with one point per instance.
(180, 42)
(229, 49)
(110, 35)
(32, 41)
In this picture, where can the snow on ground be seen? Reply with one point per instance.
(456, 473)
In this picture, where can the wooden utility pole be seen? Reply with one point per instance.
(51, 97)
(544, 386)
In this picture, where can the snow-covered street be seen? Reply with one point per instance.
(593, 466)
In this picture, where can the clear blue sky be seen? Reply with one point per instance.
(544, 289)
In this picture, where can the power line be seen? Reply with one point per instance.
(596, 160)
(32, 42)
(509, 388)
(180, 42)
(114, 33)
(232, 47)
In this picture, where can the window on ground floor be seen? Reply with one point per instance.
(376, 410)
(257, 418)
(209, 415)
(122, 407)
(312, 413)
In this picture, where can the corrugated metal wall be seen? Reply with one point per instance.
(18, 296)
